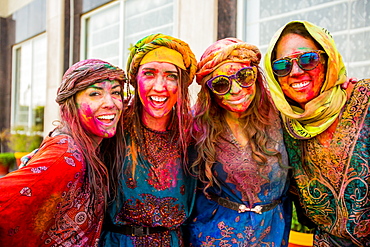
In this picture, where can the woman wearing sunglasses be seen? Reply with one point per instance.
(242, 162)
(326, 132)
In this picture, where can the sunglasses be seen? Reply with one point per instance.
(221, 84)
(306, 61)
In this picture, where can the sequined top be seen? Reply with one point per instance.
(333, 182)
(159, 193)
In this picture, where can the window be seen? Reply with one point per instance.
(109, 31)
(29, 85)
(347, 20)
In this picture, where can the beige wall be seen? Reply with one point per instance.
(55, 56)
(198, 27)
(7, 7)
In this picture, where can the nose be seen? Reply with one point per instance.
(235, 87)
(296, 70)
(159, 84)
(108, 101)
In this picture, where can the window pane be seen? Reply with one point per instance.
(139, 21)
(102, 35)
(29, 89)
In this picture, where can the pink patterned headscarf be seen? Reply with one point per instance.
(85, 73)
(225, 51)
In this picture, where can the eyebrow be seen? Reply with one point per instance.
(168, 71)
(100, 88)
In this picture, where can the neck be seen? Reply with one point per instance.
(236, 127)
(159, 124)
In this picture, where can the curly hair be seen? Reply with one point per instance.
(209, 122)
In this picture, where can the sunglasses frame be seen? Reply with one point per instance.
(318, 52)
(233, 77)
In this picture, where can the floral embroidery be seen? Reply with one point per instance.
(152, 211)
(39, 169)
(333, 183)
(26, 191)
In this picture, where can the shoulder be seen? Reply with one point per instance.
(61, 148)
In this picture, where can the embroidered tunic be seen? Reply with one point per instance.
(46, 204)
(334, 181)
(158, 194)
(242, 180)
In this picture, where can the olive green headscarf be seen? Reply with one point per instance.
(321, 111)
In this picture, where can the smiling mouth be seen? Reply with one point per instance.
(106, 118)
(158, 99)
(300, 85)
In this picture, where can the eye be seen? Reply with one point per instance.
(174, 77)
(148, 73)
(94, 93)
(117, 92)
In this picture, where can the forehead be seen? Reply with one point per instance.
(158, 66)
(230, 68)
(291, 44)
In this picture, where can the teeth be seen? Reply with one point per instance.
(156, 98)
(299, 85)
(108, 117)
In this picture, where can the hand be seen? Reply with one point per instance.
(27, 157)
(349, 81)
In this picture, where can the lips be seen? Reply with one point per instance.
(158, 100)
(108, 118)
(300, 85)
(238, 100)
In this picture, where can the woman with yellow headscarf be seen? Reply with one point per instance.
(156, 193)
(242, 161)
(326, 131)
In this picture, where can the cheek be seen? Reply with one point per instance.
(85, 113)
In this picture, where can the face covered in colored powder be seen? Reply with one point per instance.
(99, 108)
(238, 99)
(157, 84)
(300, 85)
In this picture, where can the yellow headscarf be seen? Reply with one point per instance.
(321, 111)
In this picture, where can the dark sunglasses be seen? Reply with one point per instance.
(306, 61)
(221, 84)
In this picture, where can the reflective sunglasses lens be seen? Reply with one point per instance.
(309, 61)
(221, 84)
(245, 77)
(282, 67)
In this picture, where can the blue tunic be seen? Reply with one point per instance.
(157, 193)
(242, 180)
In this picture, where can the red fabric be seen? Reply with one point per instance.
(45, 204)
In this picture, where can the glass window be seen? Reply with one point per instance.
(348, 22)
(29, 85)
(109, 31)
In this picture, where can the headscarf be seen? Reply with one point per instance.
(321, 111)
(85, 73)
(155, 41)
(226, 51)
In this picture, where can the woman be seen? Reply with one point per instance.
(242, 162)
(326, 132)
(156, 193)
(59, 198)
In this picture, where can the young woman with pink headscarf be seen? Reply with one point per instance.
(242, 162)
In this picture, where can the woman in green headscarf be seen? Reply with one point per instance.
(326, 131)
(156, 192)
